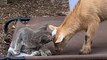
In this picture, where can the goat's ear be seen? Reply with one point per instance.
(52, 27)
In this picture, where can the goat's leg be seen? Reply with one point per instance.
(86, 49)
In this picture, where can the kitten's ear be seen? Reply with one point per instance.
(45, 27)
(42, 40)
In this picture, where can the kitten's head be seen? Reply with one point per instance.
(46, 36)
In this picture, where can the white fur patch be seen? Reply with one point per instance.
(12, 50)
(60, 38)
(54, 32)
(22, 54)
(35, 53)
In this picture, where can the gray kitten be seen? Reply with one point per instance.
(31, 43)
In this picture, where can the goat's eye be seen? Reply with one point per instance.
(54, 38)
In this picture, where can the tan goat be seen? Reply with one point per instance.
(86, 16)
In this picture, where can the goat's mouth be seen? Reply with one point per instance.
(58, 49)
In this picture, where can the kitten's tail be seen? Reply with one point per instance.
(5, 27)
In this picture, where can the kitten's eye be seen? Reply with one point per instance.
(43, 39)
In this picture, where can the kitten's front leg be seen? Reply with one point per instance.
(35, 53)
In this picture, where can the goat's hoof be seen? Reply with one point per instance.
(82, 53)
(85, 52)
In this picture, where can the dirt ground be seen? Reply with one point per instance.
(27, 8)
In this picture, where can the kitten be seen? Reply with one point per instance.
(30, 43)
